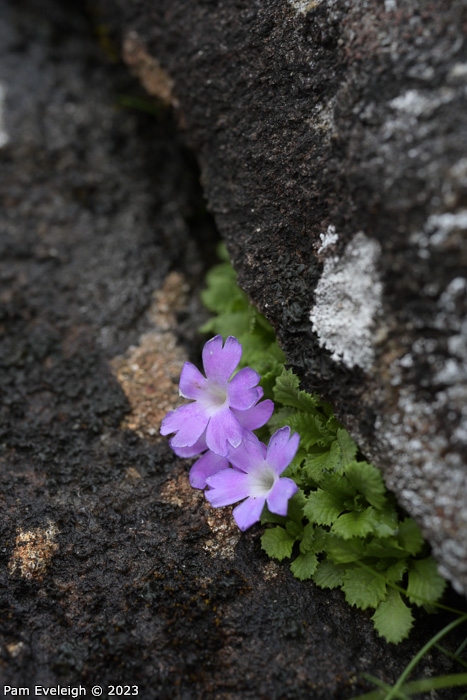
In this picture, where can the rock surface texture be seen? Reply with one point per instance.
(113, 571)
(332, 137)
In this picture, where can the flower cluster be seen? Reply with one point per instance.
(217, 425)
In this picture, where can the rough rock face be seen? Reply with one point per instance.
(333, 144)
(113, 571)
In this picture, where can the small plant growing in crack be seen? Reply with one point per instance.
(325, 508)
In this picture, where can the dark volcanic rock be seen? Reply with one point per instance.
(333, 145)
(113, 571)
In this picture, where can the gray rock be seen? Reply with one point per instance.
(113, 570)
(332, 139)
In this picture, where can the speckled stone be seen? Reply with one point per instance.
(344, 116)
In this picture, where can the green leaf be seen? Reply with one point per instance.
(322, 507)
(386, 522)
(368, 481)
(425, 584)
(321, 539)
(310, 428)
(315, 465)
(294, 529)
(280, 418)
(347, 445)
(268, 517)
(393, 618)
(363, 588)
(277, 543)
(295, 507)
(339, 486)
(344, 551)
(335, 464)
(304, 566)
(328, 574)
(288, 393)
(308, 541)
(395, 572)
(332, 424)
(410, 536)
(387, 547)
(222, 290)
(229, 323)
(355, 524)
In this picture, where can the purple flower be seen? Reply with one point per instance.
(212, 419)
(209, 463)
(256, 477)
(251, 419)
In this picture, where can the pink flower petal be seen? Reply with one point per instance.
(281, 492)
(192, 382)
(248, 454)
(282, 449)
(226, 487)
(220, 362)
(207, 465)
(188, 422)
(223, 429)
(256, 416)
(249, 512)
(243, 389)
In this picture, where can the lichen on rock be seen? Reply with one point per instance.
(347, 303)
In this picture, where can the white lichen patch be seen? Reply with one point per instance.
(347, 303)
(328, 239)
(33, 551)
(417, 103)
(4, 138)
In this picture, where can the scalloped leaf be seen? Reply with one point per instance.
(310, 428)
(287, 392)
(308, 542)
(318, 466)
(304, 566)
(322, 507)
(410, 536)
(393, 619)
(344, 551)
(363, 588)
(425, 583)
(222, 290)
(328, 574)
(368, 481)
(277, 543)
(396, 571)
(355, 524)
(296, 506)
(348, 447)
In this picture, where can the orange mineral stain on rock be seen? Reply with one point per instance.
(152, 75)
(33, 551)
(225, 533)
(149, 372)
